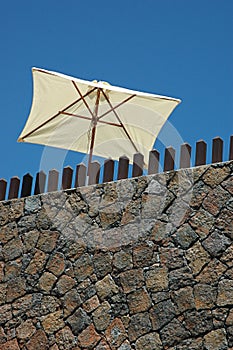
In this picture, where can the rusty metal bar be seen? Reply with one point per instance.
(3, 184)
(80, 177)
(201, 148)
(108, 170)
(67, 176)
(138, 161)
(231, 148)
(153, 166)
(53, 180)
(40, 182)
(94, 173)
(14, 187)
(217, 150)
(123, 168)
(26, 185)
(169, 159)
(185, 156)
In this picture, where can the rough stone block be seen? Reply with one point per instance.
(214, 175)
(47, 281)
(102, 316)
(228, 184)
(139, 325)
(16, 288)
(211, 272)
(125, 346)
(102, 346)
(102, 263)
(224, 222)
(185, 236)
(5, 313)
(173, 333)
(91, 304)
(143, 254)
(216, 340)
(205, 296)
(162, 313)
(197, 194)
(53, 322)
(229, 321)
(13, 269)
(131, 212)
(10, 345)
(216, 243)
(78, 321)
(110, 216)
(172, 258)
(21, 305)
(197, 257)
(64, 284)
(225, 294)
(38, 341)
(56, 264)
(139, 301)
(157, 279)
(131, 280)
(184, 299)
(2, 274)
(25, 330)
(3, 289)
(215, 200)
(2, 336)
(106, 287)
(115, 333)
(8, 232)
(37, 263)
(4, 214)
(83, 267)
(122, 260)
(47, 241)
(65, 339)
(149, 341)
(202, 222)
(12, 249)
(198, 322)
(30, 240)
(161, 232)
(32, 204)
(89, 337)
(71, 301)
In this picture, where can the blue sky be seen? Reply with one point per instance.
(177, 48)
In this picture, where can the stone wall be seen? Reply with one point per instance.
(141, 264)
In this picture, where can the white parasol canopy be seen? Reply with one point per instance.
(94, 117)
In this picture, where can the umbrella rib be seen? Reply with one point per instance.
(87, 118)
(57, 114)
(118, 118)
(117, 106)
(83, 99)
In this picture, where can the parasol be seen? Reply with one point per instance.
(94, 117)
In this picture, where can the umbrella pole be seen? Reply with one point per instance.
(93, 132)
(91, 148)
